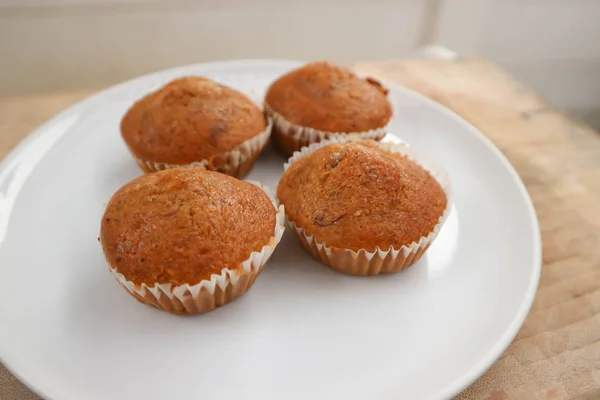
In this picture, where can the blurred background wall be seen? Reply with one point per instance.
(551, 45)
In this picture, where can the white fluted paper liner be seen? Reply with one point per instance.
(363, 261)
(236, 162)
(291, 137)
(211, 293)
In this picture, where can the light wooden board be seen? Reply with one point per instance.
(556, 355)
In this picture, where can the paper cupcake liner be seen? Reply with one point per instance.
(237, 162)
(378, 261)
(210, 293)
(289, 137)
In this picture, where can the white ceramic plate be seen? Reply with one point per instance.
(303, 331)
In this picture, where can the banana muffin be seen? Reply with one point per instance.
(321, 100)
(363, 207)
(194, 121)
(188, 240)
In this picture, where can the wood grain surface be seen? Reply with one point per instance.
(556, 355)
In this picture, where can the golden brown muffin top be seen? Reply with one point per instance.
(183, 225)
(357, 195)
(329, 98)
(190, 119)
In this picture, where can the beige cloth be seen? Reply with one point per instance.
(12, 389)
(556, 355)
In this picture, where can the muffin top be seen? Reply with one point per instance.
(357, 195)
(183, 225)
(329, 98)
(190, 119)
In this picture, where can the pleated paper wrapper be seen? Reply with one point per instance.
(237, 162)
(211, 293)
(289, 137)
(378, 261)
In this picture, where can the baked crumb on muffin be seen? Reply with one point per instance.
(180, 226)
(356, 195)
(190, 120)
(329, 98)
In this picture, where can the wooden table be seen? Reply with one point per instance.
(556, 355)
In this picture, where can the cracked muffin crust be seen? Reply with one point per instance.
(357, 195)
(189, 120)
(325, 98)
(180, 226)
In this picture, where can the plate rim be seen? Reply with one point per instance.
(460, 383)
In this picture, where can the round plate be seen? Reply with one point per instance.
(71, 332)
